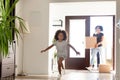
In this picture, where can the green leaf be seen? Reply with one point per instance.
(12, 7)
(7, 25)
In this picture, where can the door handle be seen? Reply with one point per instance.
(8, 68)
(8, 57)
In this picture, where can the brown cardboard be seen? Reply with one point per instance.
(90, 42)
(104, 68)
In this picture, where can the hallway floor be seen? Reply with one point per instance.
(73, 75)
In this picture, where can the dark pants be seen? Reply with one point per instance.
(98, 59)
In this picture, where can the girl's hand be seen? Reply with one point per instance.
(42, 51)
(78, 53)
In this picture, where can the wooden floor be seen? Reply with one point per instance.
(72, 75)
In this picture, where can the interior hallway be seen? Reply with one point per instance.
(73, 75)
(40, 9)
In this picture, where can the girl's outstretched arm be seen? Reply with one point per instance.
(47, 48)
(73, 49)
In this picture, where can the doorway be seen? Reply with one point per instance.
(79, 27)
(58, 13)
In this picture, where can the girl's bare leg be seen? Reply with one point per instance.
(59, 68)
(60, 65)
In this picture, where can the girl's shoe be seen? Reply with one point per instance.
(59, 75)
(63, 71)
(59, 78)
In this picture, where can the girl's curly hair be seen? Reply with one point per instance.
(58, 32)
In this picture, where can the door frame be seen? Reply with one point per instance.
(87, 33)
(87, 51)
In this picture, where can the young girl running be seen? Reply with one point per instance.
(62, 48)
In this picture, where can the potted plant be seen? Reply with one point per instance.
(7, 25)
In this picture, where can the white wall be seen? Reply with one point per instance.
(117, 54)
(19, 48)
(78, 0)
(118, 43)
(36, 12)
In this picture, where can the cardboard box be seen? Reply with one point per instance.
(90, 42)
(104, 68)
